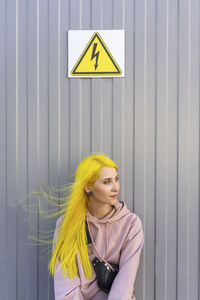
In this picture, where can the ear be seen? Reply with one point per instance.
(87, 188)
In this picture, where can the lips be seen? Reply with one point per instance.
(114, 196)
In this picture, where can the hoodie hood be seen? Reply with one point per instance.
(118, 211)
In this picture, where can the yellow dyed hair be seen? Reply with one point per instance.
(72, 238)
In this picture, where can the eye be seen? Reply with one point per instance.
(106, 182)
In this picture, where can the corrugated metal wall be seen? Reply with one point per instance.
(148, 122)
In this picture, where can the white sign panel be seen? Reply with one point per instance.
(96, 53)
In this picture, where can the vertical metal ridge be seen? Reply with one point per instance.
(112, 18)
(90, 111)
(112, 100)
(145, 115)
(80, 92)
(112, 14)
(124, 16)
(69, 101)
(112, 123)
(48, 134)
(101, 113)
(134, 124)
(48, 113)
(38, 121)
(6, 123)
(178, 144)
(101, 83)
(17, 134)
(167, 144)
(80, 119)
(59, 86)
(188, 154)
(101, 13)
(80, 14)
(38, 82)
(17, 89)
(6, 116)
(199, 181)
(156, 139)
(91, 17)
(122, 137)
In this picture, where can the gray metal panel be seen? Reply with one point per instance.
(11, 147)
(128, 98)
(23, 249)
(188, 183)
(148, 122)
(3, 149)
(166, 193)
(144, 138)
(33, 115)
(43, 139)
(64, 94)
(118, 102)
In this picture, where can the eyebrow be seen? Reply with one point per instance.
(110, 178)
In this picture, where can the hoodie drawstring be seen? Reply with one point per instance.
(106, 238)
(96, 251)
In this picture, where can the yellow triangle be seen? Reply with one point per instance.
(96, 60)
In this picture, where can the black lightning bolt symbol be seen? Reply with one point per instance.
(95, 55)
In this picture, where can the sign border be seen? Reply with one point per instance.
(78, 39)
(96, 34)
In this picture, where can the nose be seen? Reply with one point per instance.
(115, 186)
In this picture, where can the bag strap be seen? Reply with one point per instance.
(89, 240)
(113, 267)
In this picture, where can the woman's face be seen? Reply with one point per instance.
(105, 187)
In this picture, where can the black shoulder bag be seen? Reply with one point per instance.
(105, 275)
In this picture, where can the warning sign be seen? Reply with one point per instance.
(96, 59)
(99, 57)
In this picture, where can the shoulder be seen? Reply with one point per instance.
(136, 224)
(127, 216)
(131, 226)
(135, 220)
(130, 220)
(134, 234)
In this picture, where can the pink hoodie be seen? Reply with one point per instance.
(118, 238)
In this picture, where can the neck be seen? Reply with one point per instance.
(100, 211)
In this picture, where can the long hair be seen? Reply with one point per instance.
(72, 239)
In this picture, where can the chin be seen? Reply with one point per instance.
(113, 201)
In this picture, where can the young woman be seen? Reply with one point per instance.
(95, 231)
